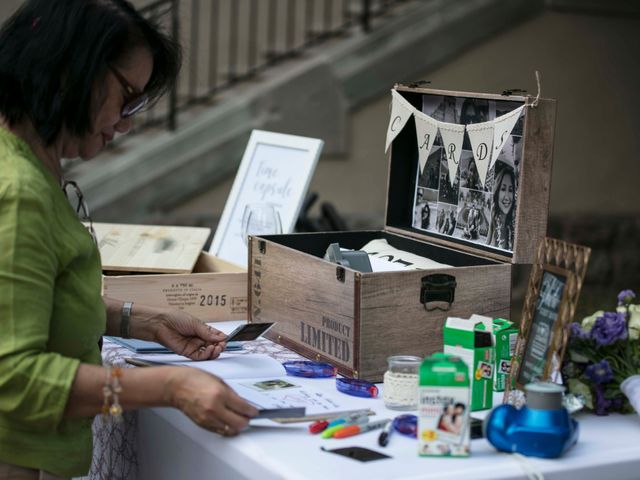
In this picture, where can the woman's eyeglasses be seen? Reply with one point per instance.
(82, 210)
(135, 100)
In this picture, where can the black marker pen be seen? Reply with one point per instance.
(383, 439)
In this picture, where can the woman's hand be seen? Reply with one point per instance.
(186, 335)
(208, 401)
(181, 332)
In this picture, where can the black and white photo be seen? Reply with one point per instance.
(442, 108)
(469, 210)
(446, 220)
(511, 153)
(469, 176)
(425, 209)
(448, 193)
(430, 176)
(472, 222)
(432, 106)
(502, 226)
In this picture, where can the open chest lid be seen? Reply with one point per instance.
(470, 171)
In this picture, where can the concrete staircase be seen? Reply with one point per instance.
(151, 174)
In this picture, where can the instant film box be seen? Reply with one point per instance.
(443, 407)
(472, 342)
(505, 334)
(165, 266)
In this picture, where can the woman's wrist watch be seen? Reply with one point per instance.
(125, 317)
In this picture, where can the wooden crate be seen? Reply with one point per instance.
(164, 266)
(356, 320)
(215, 291)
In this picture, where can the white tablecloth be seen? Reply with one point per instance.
(171, 447)
(162, 443)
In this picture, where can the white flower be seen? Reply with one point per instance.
(587, 322)
(634, 322)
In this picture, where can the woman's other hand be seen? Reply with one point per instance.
(208, 401)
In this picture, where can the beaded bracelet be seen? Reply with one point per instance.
(111, 406)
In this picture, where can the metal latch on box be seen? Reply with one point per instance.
(438, 287)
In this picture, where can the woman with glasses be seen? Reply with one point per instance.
(72, 73)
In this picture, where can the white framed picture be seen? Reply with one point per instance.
(275, 170)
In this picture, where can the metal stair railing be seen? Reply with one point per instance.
(229, 41)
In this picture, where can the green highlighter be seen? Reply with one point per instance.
(328, 433)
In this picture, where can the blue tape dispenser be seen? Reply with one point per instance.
(357, 388)
(542, 428)
(309, 369)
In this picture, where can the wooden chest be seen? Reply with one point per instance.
(356, 320)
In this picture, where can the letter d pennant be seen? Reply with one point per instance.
(481, 138)
(401, 111)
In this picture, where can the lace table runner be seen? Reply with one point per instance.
(114, 444)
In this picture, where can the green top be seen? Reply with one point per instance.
(51, 315)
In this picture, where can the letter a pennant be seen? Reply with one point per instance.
(452, 137)
(481, 138)
(426, 131)
(401, 111)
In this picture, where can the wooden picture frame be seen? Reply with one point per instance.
(276, 169)
(554, 288)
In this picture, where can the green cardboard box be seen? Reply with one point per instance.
(505, 334)
(472, 341)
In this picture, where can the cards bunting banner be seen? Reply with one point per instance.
(487, 139)
(452, 138)
(426, 130)
(401, 111)
(481, 139)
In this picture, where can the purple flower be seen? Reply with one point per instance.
(625, 297)
(577, 332)
(602, 404)
(609, 328)
(617, 403)
(599, 372)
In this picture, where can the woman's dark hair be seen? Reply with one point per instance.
(53, 53)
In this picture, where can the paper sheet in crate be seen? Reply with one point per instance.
(184, 277)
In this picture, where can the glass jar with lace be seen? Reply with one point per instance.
(400, 391)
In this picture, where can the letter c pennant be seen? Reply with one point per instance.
(401, 111)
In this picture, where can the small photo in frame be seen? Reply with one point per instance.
(545, 326)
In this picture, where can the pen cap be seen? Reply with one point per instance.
(318, 427)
